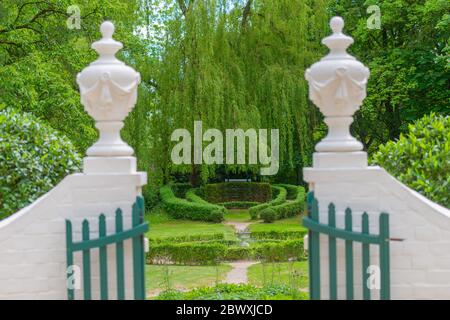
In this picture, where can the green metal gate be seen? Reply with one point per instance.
(136, 233)
(316, 228)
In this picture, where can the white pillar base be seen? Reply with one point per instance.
(357, 159)
(102, 165)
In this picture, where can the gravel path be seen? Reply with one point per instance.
(238, 226)
(239, 272)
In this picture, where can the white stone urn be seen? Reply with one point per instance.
(337, 85)
(108, 91)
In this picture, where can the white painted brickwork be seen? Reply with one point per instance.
(33, 241)
(420, 265)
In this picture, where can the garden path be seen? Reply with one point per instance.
(239, 272)
(238, 226)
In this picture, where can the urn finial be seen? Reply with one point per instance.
(108, 91)
(337, 85)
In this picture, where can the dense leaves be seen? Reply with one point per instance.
(420, 158)
(33, 158)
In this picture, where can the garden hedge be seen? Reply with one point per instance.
(291, 208)
(280, 197)
(238, 204)
(190, 238)
(238, 191)
(278, 235)
(198, 253)
(183, 209)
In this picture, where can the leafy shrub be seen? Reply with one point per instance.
(151, 197)
(421, 158)
(188, 253)
(180, 189)
(192, 196)
(292, 191)
(235, 253)
(183, 209)
(280, 251)
(280, 197)
(207, 253)
(241, 191)
(268, 215)
(279, 235)
(292, 208)
(33, 158)
(236, 292)
(190, 238)
(238, 204)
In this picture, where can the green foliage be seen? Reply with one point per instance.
(283, 210)
(192, 196)
(238, 204)
(408, 61)
(242, 191)
(187, 253)
(183, 209)
(280, 251)
(420, 158)
(190, 238)
(268, 215)
(206, 253)
(280, 197)
(151, 197)
(292, 191)
(236, 292)
(33, 158)
(279, 235)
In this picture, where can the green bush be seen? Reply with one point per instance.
(191, 238)
(180, 189)
(236, 292)
(207, 253)
(292, 191)
(279, 198)
(33, 158)
(183, 209)
(188, 253)
(268, 215)
(420, 159)
(238, 204)
(192, 195)
(235, 253)
(151, 197)
(277, 251)
(238, 191)
(278, 235)
(292, 208)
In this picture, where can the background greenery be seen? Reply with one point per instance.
(229, 63)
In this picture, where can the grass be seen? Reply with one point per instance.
(294, 274)
(183, 277)
(289, 224)
(162, 226)
(238, 215)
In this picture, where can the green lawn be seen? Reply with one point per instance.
(239, 215)
(290, 224)
(162, 226)
(293, 274)
(183, 277)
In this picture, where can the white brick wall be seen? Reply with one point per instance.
(32, 241)
(420, 265)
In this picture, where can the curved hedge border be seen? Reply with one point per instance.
(239, 204)
(278, 235)
(286, 209)
(190, 238)
(281, 195)
(197, 253)
(183, 209)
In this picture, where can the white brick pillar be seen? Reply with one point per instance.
(419, 256)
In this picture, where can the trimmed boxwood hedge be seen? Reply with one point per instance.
(283, 210)
(238, 191)
(238, 204)
(183, 209)
(190, 238)
(278, 235)
(292, 191)
(280, 198)
(198, 253)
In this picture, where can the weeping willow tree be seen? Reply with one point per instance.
(232, 64)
